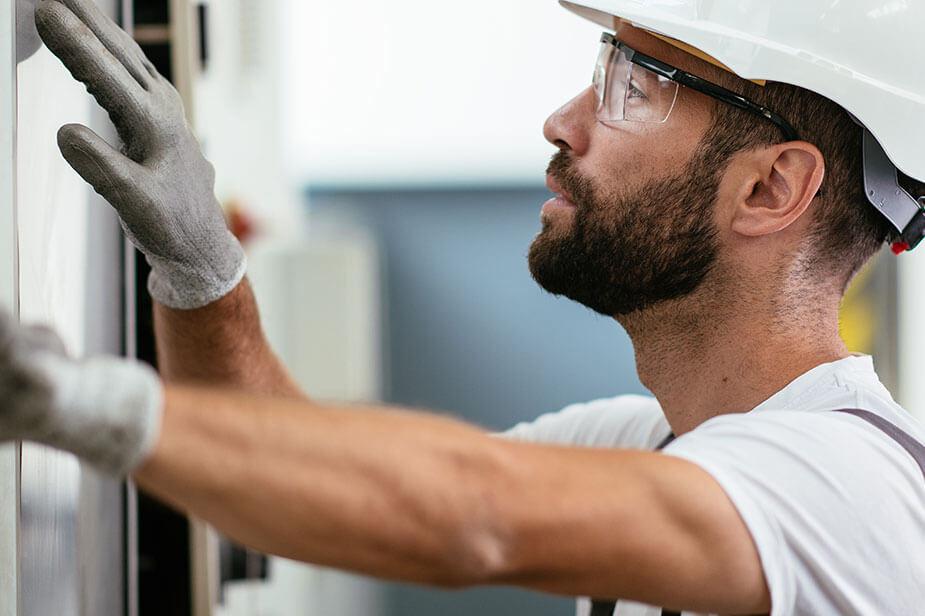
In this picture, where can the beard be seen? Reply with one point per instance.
(626, 250)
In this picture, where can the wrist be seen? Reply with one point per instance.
(219, 344)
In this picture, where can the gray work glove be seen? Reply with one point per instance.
(105, 410)
(160, 184)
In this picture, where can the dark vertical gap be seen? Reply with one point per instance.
(164, 568)
(203, 12)
(164, 575)
(151, 12)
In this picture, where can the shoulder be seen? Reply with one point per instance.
(837, 439)
(836, 449)
(629, 421)
(817, 489)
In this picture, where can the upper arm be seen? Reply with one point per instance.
(627, 524)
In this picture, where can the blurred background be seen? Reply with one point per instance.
(384, 167)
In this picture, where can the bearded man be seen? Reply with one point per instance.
(716, 212)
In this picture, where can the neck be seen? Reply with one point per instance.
(703, 356)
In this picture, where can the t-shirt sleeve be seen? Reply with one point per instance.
(832, 505)
(629, 421)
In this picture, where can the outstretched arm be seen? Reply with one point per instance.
(391, 493)
(426, 499)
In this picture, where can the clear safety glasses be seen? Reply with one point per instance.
(632, 86)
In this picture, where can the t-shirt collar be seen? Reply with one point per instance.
(801, 391)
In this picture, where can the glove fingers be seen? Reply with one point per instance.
(116, 40)
(110, 172)
(89, 61)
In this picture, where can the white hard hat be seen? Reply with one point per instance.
(866, 55)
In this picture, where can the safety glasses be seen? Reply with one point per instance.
(634, 87)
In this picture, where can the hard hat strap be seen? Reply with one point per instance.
(881, 185)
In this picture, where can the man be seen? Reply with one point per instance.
(719, 231)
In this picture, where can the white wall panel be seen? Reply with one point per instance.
(9, 453)
(52, 199)
(237, 98)
(51, 216)
(71, 545)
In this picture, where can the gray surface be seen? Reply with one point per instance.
(72, 556)
(9, 453)
(100, 535)
(9, 529)
(468, 331)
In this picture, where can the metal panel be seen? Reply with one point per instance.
(72, 558)
(9, 453)
(9, 529)
(101, 522)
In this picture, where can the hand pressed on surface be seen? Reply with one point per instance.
(160, 183)
(105, 410)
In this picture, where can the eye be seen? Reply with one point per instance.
(634, 91)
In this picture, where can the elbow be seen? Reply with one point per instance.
(478, 542)
(480, 558)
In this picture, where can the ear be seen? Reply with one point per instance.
(779, 184)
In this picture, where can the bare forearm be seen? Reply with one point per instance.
(220, 344)
(331, 486)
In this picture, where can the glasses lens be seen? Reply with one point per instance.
(610, 77)
(626, 91)
(599, 81)
(649, 96)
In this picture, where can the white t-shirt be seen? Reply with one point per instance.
(836, 507)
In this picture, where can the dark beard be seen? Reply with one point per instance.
(624, 252)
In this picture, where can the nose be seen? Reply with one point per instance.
(569, 127)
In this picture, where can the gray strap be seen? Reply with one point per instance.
(602, 608)
(915, 448)
(890, 199)
(665, 441)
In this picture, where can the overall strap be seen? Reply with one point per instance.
(606, 608)
(907, 442)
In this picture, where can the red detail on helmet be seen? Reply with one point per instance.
(900, 247)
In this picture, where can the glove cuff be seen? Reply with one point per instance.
(107, 411)
(184, 286)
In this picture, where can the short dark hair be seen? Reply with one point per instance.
(847, 229)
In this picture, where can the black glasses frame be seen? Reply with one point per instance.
(701, 85)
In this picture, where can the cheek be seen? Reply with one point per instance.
(691, 117)
(619, 157)
(633, 153)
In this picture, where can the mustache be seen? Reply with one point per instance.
(578, 188)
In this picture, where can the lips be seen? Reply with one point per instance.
(556, 188)
(561, 202)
